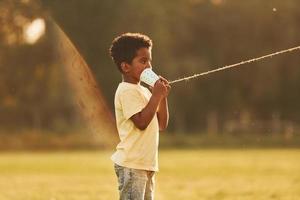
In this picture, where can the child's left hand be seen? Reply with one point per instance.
(166, 83)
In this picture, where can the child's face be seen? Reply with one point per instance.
(141, 61)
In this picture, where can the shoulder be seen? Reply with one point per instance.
(127, 90)
(124, 88)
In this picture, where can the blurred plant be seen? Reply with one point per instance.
(16, 17)
(32, 92)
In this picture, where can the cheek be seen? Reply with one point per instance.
(138, 74)
(139, 69)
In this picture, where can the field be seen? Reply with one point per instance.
(230, 174)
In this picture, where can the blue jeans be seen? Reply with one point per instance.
(135, 184)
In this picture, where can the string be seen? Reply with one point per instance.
(235, 65)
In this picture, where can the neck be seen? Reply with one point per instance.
(130, 80)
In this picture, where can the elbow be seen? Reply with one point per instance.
(163, 127)
(141, 126)
(138, 122)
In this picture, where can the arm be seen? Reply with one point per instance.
(163, 114)
(163, 110)
(142, 119)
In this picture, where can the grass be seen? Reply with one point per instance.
(259, 174)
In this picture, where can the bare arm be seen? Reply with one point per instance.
(163, 114)
(142, 119)
(163, 110)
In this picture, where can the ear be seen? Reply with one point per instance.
(125, 67)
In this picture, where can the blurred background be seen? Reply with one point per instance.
(258, 101)
(234, 134)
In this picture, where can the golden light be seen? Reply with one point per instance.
(34, 30)
(217, 2)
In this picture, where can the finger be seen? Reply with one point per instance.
(159, 83)
(163, 79)
(165, 82)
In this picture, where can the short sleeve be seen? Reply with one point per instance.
(132, 102)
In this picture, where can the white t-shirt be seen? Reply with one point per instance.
(138, 149)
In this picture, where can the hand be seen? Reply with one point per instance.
(161, 88)
(166, 83)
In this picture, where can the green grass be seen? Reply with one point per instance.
(184, 174)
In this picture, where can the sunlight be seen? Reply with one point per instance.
(34, 31)
(217, 2)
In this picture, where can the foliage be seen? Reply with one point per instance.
(189, 37)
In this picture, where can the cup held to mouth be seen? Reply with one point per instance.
(149, 77)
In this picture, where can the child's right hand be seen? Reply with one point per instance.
(160, 89)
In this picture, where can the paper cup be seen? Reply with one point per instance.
(149, 77)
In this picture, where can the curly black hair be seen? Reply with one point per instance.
(125, 46)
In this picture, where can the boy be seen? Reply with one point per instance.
(139, 117)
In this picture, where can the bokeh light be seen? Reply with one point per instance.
(34, 30)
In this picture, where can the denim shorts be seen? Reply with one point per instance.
(135, 184)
